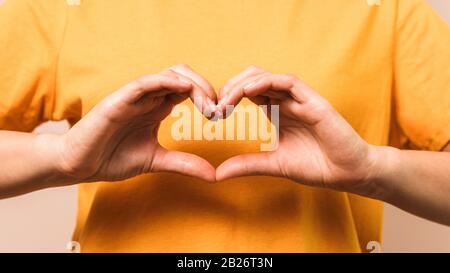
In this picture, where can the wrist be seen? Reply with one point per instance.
(385, 165)
(47, 150)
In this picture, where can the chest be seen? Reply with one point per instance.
(343, 51)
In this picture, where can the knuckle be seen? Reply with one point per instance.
(171, 77)
(139, 82)
(168, 72)
(321, 107)
(267, 78)
(109, 104)
(138, 85)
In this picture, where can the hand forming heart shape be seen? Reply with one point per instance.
(117, 139)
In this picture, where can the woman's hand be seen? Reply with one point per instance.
(316, 147)
(117, 139)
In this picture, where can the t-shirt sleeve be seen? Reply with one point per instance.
(422, 76)
(31, 32)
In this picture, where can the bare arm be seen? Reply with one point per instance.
(116, 140)
(28, 163)
(318, 147)
(415, 181)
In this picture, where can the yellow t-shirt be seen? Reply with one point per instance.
(385, 68)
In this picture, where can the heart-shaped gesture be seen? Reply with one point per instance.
(117, 139)
(317, 146)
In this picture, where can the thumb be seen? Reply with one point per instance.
(182, 163)
(248, 165)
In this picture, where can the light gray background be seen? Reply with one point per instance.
(43, 221)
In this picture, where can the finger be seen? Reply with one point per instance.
(177, 98)
(303, 102)
(236, 93)
(134, 91)
(187, 71)
(227, 110)
(248, 165)
(155, 94)
(157, 109)
(203, 93)
(273, 84)
(265, 95)
(246, 73)
(183, 163)
(260, 100)
(266, 103)
(276, 95)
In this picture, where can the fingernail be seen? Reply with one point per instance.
(223, 100)
(211, 104)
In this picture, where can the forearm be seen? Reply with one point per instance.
(28, 163)
(415, 181)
